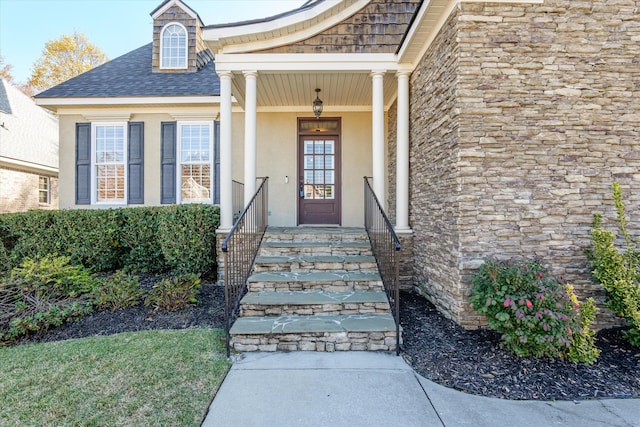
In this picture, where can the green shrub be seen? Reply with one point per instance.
(529, 307)
(139, 237)
(583, 346)
(5, 260)
(90, 237)
(147, 239)
(186, 234)
(174, 293)
(118, 291)
(29, 235)
(43, 293)
(618, 271)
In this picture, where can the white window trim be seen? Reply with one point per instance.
(94, 174)
(48, 191)
(186, 53)
(179, 162)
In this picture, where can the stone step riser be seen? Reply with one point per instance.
(262, 310)
(315, 266)
(316, 341)
(338, 286)
(316, 237)
(314, 251)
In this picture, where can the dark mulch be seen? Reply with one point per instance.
(208, 313)
(471, 361)
(475, 362)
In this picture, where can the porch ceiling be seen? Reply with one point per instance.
(295, 91)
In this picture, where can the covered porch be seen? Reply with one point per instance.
(269, 72)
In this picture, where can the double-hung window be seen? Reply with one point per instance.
(173, 46)
(195, 162)
(109, 155)
(44, 190)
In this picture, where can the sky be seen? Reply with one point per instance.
(115, 26)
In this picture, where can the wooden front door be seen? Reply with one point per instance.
(319, 171)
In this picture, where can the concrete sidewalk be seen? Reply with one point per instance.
(379, 389)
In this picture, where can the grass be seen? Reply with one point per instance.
(165, 377)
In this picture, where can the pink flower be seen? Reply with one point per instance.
(540, 274)
(507, 302)
(529, 304)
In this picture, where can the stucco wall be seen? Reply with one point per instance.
(277, 157)
(277, 154)
(541, 107)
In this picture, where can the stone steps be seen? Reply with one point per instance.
(317, 303)
(315, 263)
(372, 332)
(321, 247)
(314, 289)
(329, 281)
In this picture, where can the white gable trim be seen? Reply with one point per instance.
(178, 3)
(285, 30)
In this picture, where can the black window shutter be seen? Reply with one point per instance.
(135, 163)
(83, 163)
(216, 156)
(168, 162)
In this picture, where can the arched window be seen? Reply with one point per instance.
(173, 46)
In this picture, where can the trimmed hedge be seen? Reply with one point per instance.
(177, 238)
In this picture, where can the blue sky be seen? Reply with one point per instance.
(116, 26)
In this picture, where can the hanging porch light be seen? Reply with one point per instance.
(317, 105)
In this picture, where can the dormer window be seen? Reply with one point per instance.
(173, 49)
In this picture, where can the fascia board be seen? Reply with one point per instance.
(27, 166)
(106, 101)
(307, 62)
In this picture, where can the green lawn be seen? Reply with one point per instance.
(142, 378)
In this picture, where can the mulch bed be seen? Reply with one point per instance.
(437, 348)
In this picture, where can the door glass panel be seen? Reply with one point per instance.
(328, 192)
(308, 147)
(308, 177)
(308, 162)
(328, 177)
(319, 162)
(329, 147)
(328, 162)
(319, 147)
(319, 177)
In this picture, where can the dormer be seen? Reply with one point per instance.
(177, 39)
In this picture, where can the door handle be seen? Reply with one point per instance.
(301, 189)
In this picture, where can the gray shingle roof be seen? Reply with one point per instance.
(130, 75)
(5, 105)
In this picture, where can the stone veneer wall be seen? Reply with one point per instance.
(520, 138)
(433, 183)
(194, 32)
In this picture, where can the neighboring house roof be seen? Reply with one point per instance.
(28, 134)
(131, 75)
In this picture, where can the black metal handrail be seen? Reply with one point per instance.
(386, 249)
(237, 199)
(240, 249)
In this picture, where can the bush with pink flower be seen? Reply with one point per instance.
(530, 308)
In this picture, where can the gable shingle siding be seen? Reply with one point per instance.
(378, 28)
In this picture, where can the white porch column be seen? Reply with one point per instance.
(402, 153)
(226, 192)
(250, 143)
(377, 135)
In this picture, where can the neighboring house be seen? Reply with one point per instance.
(489, 128)
(28, 153)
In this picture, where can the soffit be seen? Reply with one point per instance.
(288, 91)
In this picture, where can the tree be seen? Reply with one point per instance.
(64, 58)
(5, 70)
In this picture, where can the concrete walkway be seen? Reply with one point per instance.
(379, 389)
